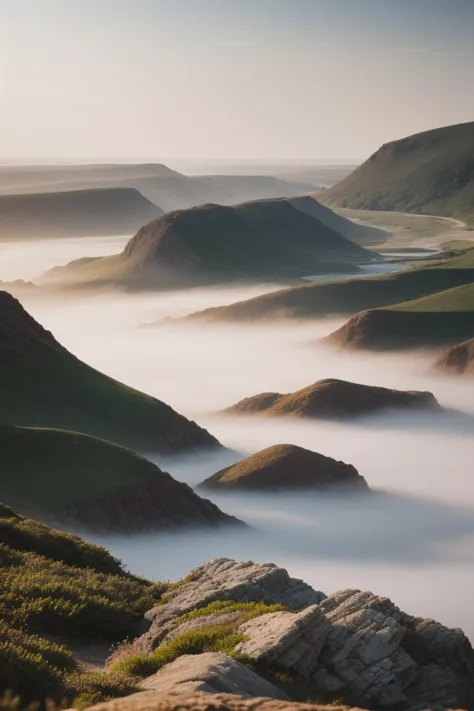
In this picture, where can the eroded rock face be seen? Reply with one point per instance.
(212, 672)
(287, 467)
(224, 579)
(457, 359)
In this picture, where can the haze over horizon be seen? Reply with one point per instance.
(228, 80)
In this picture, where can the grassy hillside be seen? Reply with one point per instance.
(348, 296)
(430, 173)
(43, 385)
(213, 244)
(59, 594)
(461, 298)
(75, 479)
(74, 213)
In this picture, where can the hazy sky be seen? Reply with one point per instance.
(229, 79)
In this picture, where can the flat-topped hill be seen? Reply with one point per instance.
(287, 467)
(44, 385)
(78, 480)
(74, 213)
(332, 398)
(213, 244)
(430, 172)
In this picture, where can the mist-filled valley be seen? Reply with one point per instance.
(411, 539)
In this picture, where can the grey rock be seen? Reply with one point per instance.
(213, 673)
(224, 579)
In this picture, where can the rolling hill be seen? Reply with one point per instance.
(431, 173)
(349, 296)
(74, 479)
(443, 318)
(334, 399)
(212, 244)
(75, 213)
(44, 385)
(286, 467)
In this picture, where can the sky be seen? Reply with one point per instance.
(219, 80)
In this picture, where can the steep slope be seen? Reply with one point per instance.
(430, 172)
(333, 398)
(212, 244)
(74, 213)
(43, 385)
(364, 235)
(349, 296)
(457, 359)
(75, 479)
(443, 318)
(287, 467)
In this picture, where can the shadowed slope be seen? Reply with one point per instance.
(458, 359)
(43, 385)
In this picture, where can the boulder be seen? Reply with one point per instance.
(212, 672)
(224, 579)
(287, 467)
(335, 399)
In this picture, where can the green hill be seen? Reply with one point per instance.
(443, 318)
(430, 173)
(348, 296)
(73, 479)
(74, 213)
(211, 244)
(44, 385)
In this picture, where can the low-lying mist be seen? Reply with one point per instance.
(411, 539)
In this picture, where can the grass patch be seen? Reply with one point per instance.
(249, 609)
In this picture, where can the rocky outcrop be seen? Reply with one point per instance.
(224, 579)
(352, 645)
(457, 359)
(214, 673)
(153, 701)
(287, 467)
(335, 399)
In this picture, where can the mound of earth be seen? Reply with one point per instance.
(332, 398)
(287, 467)
(430, 172)
(211, 244)
(458, 359)
(44, 385)
(76, 480)
(393, 329)
(74, 213)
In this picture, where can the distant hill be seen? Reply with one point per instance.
(44, 385)
(457, 359)
(76, 213)
(211, 244)
(362, 234)
(440, 319)
(166, 188)
(430, 173)
(286, 467)
(334, 399)
(349, 296)
(73, 479)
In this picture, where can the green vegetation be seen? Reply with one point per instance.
(56, 592)
(458, 244)
(461, 298)
(430, 173)
(46, 469)
(210, 638)
(403, 229)
(43, 385)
